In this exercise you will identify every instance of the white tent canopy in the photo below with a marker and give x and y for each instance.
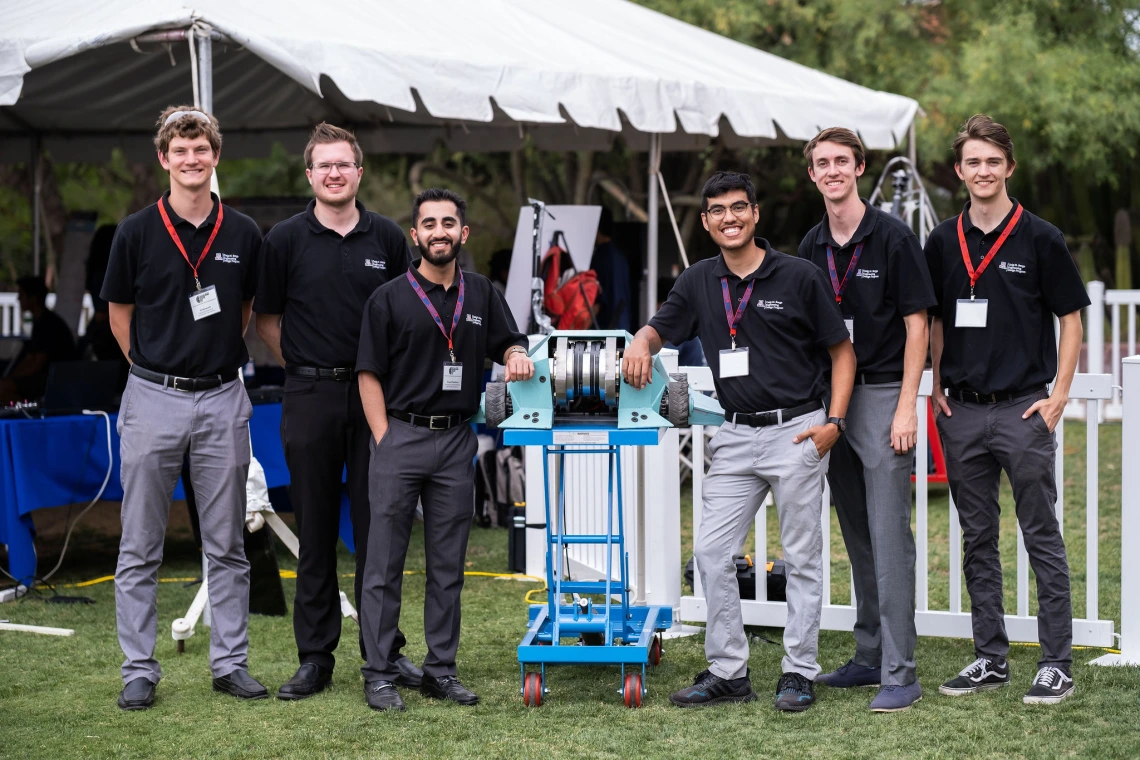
(478, 75)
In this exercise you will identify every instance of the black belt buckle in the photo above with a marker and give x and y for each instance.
(342, 374)
(444, 424)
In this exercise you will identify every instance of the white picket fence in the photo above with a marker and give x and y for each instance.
(653, 534)
(1116, 301)
(12, 321)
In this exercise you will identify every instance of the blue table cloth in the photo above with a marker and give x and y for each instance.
(63, 460)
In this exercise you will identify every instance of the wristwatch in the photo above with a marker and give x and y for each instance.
(515, 350)
(839, 422)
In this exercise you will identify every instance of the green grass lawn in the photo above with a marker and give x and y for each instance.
(57, 695)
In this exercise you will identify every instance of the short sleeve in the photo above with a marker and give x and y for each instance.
(372, 353)
(824, 312)
(676, 320)
(911, 288)
(933, 255)
(1059, 279)
(122, 266)
(396, 245)
(502, 331)
(273, 273)
(249, 286)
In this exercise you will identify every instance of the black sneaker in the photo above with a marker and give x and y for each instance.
(709, 689)
(980, 675)
(1049, 687)
(794, 693)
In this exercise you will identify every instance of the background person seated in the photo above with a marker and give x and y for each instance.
(51, 341)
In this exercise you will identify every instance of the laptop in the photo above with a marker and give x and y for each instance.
(77, 385)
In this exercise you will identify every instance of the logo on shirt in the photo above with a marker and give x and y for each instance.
(867, 274)
(375, 263)
(477, 321)
(774, 305)
(227, 258)
(1006, 266)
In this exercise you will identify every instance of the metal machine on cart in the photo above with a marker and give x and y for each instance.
(578, 404)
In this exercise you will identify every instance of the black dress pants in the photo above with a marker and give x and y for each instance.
(323, 430)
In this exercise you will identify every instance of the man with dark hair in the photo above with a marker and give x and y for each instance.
(51, 341)
(418, 388)
(180, 284)
(767, 322)
(995, 411)
(612, 267)
(318, 269)
(881, 284)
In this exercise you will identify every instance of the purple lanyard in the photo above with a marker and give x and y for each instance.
(734, 320)
(435, 314)
(836, 285)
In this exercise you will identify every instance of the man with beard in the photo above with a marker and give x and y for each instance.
(317, 270)
(423, 342)
(766, 321)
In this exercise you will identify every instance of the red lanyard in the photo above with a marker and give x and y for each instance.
(178, 241)
(734, 320)
(836, 285)
(435, 314)
(976, 273)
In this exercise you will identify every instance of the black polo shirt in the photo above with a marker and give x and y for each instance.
(402, 345)
(1030, 279)
(790, 321)
(147, 270)
(890, 282)
(319, 281)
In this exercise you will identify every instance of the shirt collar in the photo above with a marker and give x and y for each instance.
(767, 266)
(176, 220)
(363, 224)
(967, 225)
(424, 282)
(866, 225)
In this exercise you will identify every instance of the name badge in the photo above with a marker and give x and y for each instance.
(452, 376)
(734, 362)
(204, 302)
(850, 328)
(971, 313)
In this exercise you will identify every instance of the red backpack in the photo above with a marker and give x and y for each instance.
(568, 295)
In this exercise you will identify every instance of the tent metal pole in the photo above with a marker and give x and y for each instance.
(37, 202)
(651, 252)
(205, 71)
(912, 145)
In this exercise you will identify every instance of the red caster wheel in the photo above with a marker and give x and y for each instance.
(656, 651)
(631, 690)
(532, 690)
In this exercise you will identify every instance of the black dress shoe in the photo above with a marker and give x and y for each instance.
(448, 687)
(137, 695)
(242, 685)
(382, 696)
(309, 679)
(410, 675)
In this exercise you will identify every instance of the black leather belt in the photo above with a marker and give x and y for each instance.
(342, 374)
(430, 421)
(186, 384)
(973, 397)
(777, 417)
(875, 378)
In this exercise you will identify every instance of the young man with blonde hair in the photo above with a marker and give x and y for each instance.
(881, 285)
(318, 269)
(180, 284)
(1001, 274)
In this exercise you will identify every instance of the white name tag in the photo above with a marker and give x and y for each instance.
(850, 328)
(971, 313)
(452, 376)
(204, 302)
(734, 362)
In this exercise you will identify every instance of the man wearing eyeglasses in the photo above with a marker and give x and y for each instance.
(767, 322)
(317, 271)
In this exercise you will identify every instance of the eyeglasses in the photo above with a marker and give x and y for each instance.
(737, 209)
(344, 167)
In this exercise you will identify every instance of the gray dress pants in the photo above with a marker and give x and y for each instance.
(157, 427)
(872, 490)
(747, 462)
(437, 467)
(981, 440)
